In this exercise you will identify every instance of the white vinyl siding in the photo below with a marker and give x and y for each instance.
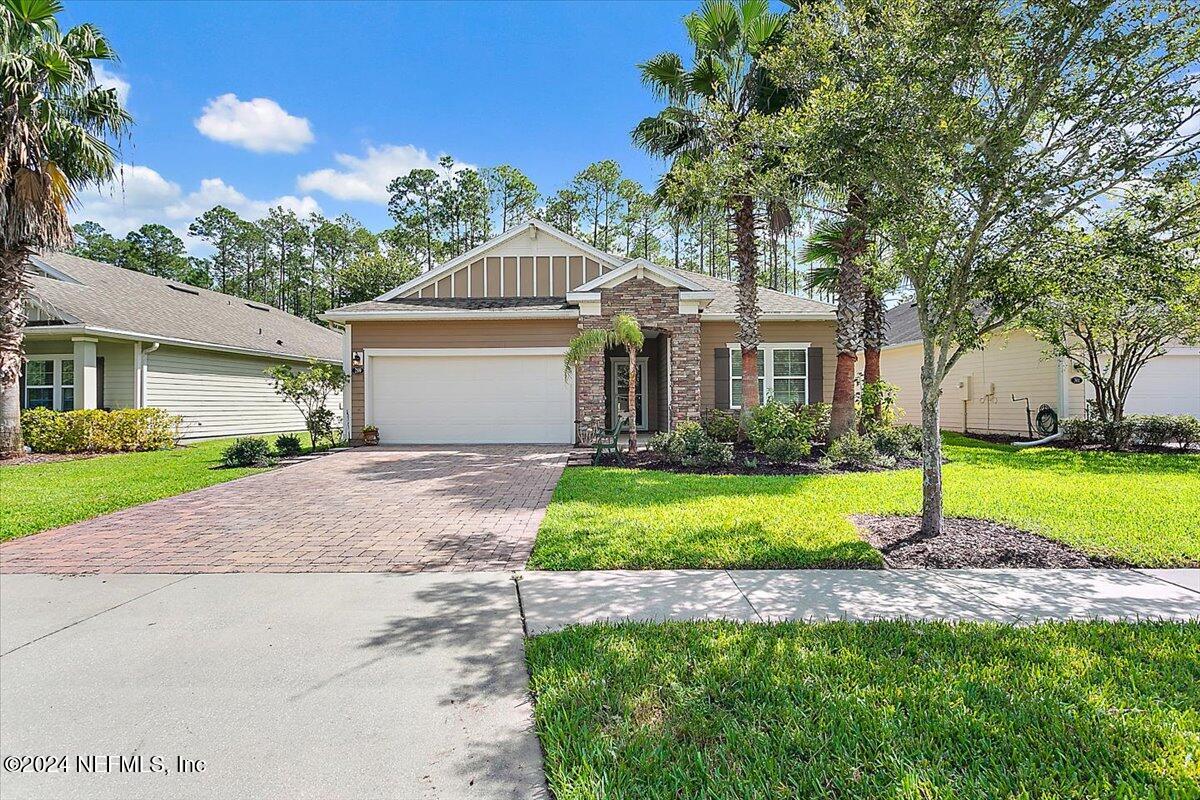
(220, 394)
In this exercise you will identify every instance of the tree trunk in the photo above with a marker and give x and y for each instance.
(931, 445)
(848, 337)
(633, 443)
(12, 332)
(746, 252)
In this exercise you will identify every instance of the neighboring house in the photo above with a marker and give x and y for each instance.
(99, 336)
(472, 351)
(977, 394)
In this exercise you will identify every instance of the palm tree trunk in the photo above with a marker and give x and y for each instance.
(873, 335)
(849, 317)
(632, 400)
(12, 327)
(746, 252)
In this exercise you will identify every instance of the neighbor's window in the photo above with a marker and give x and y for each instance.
(50, 383)
(39, 384)
(782, 374)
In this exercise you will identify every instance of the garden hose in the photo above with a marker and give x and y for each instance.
(1046, 420)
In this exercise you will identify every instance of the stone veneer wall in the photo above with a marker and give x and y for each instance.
(654, 306)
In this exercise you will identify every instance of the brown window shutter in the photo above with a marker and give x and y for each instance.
(721, 377)
(816, 376)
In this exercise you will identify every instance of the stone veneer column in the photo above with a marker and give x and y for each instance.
(589, 380)
(685, 369)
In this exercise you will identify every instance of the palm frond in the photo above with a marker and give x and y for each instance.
(582, 347)
(665, 76)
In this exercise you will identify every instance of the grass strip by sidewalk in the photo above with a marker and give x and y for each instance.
(1139, 508)
(869, 710)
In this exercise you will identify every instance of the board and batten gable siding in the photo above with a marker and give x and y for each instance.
(1014, 362)
(714, 335)
(220, 394)
(391, 334)
(523, 266)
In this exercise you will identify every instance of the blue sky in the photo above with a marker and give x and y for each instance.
(315, 104)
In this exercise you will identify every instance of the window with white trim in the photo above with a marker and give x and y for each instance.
(782, 373)
(50, 383)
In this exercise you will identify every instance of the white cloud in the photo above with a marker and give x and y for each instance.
(110, 80)
(140, 195)
(367, 177)
(260, 125)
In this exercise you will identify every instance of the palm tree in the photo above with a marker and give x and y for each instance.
(55, 123)
(624, 332)
(707, 108)
(860, 316)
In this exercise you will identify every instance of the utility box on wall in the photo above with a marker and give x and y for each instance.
(964, 388)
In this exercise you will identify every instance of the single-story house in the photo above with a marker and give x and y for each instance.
(472, 350)
(977, 394)
(100, 336)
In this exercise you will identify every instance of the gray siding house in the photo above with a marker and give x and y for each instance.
(99, 336)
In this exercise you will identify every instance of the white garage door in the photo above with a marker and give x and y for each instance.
(1169, 384)
(425, 397)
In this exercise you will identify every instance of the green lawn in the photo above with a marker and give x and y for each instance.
(38, 497)
(869, 710)
(1139, 508)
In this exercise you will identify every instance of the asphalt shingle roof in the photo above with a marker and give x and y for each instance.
(123, 300)
(725, 302)
(902, 324)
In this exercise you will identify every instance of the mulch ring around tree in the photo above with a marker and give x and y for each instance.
(969, 543)
(649, 459)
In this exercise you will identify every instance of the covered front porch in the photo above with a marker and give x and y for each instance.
(653, 394)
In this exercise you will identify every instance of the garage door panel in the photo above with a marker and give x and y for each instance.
(471, 399)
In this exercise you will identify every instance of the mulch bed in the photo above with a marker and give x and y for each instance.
(44, 458)
(970, 543)
(648, 459)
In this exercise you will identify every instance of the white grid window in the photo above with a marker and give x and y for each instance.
(50, 383)
(782, 373)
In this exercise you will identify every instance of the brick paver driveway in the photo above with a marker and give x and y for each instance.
(454, 507)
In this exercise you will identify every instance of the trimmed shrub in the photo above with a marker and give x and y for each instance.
(1078, 431)
(780, 433)
(288, 444)
(720, 425)
(689, 446)
(776, 421)
(856, 450)
(249, 451)
(95, 431)
(898, 441)
(816, 416)
(1187, 430)
(1156, 430)
(787, 451)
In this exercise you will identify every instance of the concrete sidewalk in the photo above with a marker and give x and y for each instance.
(552, 600)
(313, 686)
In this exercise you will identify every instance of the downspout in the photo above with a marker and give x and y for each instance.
(140, 400)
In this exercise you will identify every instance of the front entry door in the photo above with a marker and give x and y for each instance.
(620, 389)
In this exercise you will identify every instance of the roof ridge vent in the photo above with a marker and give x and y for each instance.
(184, 289)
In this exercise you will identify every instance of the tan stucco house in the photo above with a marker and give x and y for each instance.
(472, 350)
(977, 394)
(99, 336)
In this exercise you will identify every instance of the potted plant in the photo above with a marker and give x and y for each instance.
(370, 434)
